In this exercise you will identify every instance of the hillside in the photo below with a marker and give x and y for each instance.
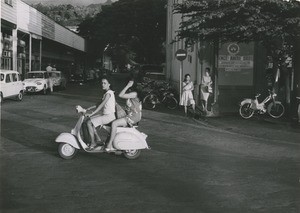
(72, 2)
(69, 14)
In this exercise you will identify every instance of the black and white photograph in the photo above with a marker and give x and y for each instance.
(150, 106)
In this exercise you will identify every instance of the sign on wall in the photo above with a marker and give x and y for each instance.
(235, 64)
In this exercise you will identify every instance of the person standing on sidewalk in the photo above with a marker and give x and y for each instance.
(187, 98)
(206, 88)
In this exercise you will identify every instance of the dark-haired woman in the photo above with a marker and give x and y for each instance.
(206, 88)
(133, 110)
(187, 98)
(104, 112)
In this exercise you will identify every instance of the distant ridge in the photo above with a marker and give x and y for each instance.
(72, 2)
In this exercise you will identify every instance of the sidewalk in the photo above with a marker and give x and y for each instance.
(259, 126)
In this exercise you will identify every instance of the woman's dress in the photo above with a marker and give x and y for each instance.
(187, 97)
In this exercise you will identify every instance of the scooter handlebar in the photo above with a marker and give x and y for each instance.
(79, 109)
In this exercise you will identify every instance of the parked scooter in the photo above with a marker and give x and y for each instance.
(128, 141)
(250, 106)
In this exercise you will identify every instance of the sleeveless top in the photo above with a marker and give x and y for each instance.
(133, 110)
(110, 105)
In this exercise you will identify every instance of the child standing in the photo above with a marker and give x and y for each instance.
(187, 98)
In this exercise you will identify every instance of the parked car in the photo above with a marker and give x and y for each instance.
(10, 85)
(58, 79)
(151, 71)
(37, 81)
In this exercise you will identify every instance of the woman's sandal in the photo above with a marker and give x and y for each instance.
(110, 150)
(91, 147)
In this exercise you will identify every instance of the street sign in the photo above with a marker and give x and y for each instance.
(181, 54)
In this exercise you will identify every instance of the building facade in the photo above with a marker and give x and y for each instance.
(238, 70)
(32, 41)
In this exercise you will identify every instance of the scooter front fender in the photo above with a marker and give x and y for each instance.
(67, 138)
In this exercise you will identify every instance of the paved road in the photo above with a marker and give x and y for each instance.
(192, 167)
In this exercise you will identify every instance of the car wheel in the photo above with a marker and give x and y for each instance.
(45, 90)
(63, 86)
(19, 97)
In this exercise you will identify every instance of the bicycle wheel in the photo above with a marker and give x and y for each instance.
(150, 101)
(276, 110)
(246, 111)
(171, 102)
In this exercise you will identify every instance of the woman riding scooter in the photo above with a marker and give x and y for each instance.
(133, 111)
(106, 115)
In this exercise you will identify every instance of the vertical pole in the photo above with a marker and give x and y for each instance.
(30, 51)
(180, 77)
(40, 67)
(14, 50)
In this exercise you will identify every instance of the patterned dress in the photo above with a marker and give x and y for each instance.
(187, 97)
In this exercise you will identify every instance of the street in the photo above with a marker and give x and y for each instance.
(191, 167)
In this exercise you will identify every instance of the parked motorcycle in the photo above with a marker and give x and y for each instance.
(160, 95)
(128, 141)
(250, 106)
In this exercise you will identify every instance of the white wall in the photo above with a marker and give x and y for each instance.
(8, 12)
(32, 21)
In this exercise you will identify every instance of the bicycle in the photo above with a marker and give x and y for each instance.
(161, 95)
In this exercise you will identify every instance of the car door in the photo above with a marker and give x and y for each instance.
(14, 80)
(3, 86)
(18, 85)
(7, 85)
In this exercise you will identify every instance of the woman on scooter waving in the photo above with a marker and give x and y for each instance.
(104, 112)
(133, 111)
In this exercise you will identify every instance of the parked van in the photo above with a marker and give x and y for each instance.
(10, 85)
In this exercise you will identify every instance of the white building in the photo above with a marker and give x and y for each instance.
(31, 40)
(234, 73)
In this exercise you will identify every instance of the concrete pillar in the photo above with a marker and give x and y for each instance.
(15, 49)
(30, 51)
(40, 68)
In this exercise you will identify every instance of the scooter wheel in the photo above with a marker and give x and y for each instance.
(132, 154)
(66, 151)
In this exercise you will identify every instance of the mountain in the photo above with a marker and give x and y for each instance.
(70, 14)
(72, 2)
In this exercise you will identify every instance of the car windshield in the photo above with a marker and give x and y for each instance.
(54, 74)
(2, 77)
(35, 75)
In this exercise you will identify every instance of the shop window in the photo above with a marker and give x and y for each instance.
(9, 2)
(6, 63)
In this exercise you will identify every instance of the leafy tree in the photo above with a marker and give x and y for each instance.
(273, 23)
(68, 15)
(136, 26)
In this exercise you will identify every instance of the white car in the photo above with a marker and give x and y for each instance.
(37, 81)
(10, 85)
(58, 79)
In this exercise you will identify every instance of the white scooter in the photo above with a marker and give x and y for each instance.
(128, 141)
